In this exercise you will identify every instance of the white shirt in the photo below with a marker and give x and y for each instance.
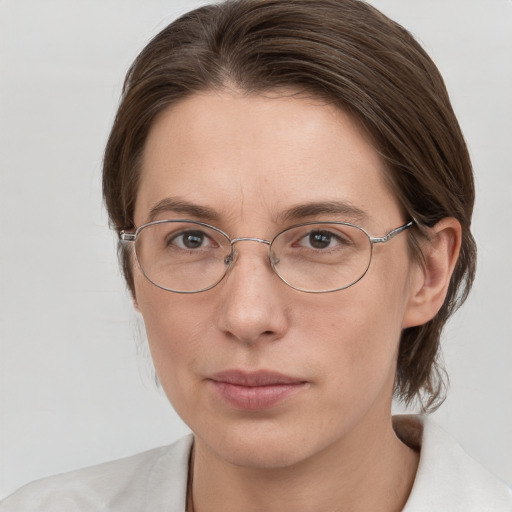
(156, 481)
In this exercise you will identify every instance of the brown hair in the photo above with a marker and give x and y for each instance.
(346, 52)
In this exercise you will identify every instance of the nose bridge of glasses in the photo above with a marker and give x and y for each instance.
(230, 258)
(249, 239)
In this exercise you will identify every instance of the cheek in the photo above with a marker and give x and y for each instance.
(358, 334)
(175, 327)
(357, 337)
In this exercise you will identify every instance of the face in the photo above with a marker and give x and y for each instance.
(265, 375)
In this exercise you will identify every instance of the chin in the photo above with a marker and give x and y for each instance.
(260, 445)
(262, 454)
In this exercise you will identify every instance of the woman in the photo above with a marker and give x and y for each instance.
(293, 198)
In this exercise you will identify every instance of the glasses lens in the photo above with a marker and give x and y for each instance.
(182, 256)
(321, 257)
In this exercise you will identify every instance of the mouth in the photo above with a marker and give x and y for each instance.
(253, 391)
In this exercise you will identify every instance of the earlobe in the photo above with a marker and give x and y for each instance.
(430, 284)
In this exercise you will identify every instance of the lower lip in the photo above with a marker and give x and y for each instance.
(255, 398)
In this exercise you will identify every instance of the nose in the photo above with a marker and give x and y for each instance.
(252, 308)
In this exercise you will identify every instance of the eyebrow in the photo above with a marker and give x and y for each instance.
(345, 210)
(176, 205)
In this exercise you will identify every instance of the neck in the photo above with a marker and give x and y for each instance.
(373, 470)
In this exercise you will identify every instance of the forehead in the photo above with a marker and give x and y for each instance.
(246, 156)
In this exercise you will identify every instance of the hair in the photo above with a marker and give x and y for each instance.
(347, 53)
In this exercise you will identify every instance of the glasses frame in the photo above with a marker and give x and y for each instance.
(127, 236)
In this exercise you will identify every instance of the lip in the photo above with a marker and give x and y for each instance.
(253, 391)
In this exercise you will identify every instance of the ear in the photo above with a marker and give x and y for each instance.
(431, 279)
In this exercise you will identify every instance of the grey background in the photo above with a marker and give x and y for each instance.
(75, 378)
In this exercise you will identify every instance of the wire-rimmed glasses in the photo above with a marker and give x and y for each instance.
(186, 256)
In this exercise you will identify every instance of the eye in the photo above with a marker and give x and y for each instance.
(192, 239)
(322, 239)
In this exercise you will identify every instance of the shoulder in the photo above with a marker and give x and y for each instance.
(447, 477)
(154, 480)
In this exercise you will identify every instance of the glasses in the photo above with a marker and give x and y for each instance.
(186, 256)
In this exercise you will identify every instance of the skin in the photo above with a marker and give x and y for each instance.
(331, 445)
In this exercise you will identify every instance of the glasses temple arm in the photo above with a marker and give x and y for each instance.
(391, 234)
(127, 237)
